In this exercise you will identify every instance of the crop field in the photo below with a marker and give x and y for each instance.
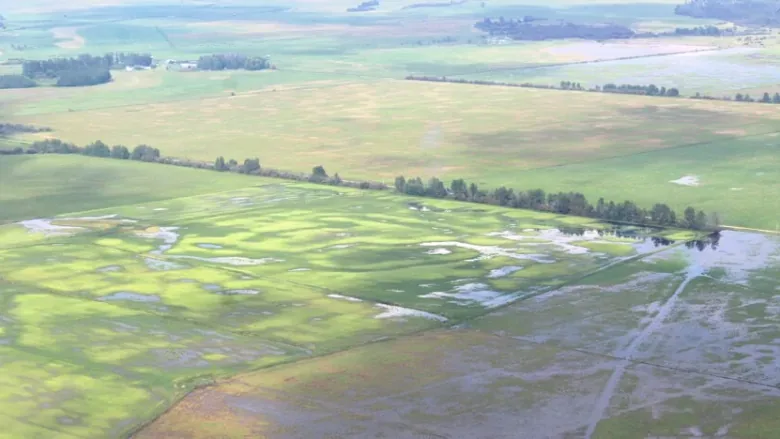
(679, 343)
(712, 72)
(42, 186)
(491, 135)
(149, 300)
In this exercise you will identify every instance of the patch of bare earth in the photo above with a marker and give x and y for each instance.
(68, 38)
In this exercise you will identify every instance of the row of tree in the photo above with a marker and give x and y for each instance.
(701, 31)
(766, 98)
(520, 29)
(648, 90)
(83, 77)
(566, 203)
(16, 81)
(54, 67)
(143, 153)
(233, 62)
(9, 129)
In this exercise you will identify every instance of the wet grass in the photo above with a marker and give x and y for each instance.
(703, 368)
(160, 296)
(41, 186)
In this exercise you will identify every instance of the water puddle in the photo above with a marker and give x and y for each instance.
(239, 293)
(232, 260)
(161, 265)
(133, 297)
(393, 312)
(474, 294)
(439, 251)
(347, 298)
(167, 234)
(46, 227)
(341, 246)
(688, 180)
(209, 246)
(211, 287)
(299, 270)
(109, 269)
(503, 271)
(487, 252)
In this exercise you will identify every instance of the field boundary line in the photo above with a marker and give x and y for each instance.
(205, 97)
(750, 229)
(595, 61)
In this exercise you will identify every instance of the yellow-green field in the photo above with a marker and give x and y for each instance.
(153, 301)
(150, 300)
(676, 344)
(613, 146)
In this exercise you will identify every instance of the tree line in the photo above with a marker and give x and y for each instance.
(16, 81)
(766, 98)
(520, 29)
(701, 31)
(54, 67)
(9, 129)
(566, 203)
(647, 90)
(233, 62)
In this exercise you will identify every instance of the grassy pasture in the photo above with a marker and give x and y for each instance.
(523, 365)
(492, 135)
(32, 187)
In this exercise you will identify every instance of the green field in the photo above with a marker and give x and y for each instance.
(33, 187)
(676, 344)
(153, 301)
(169, 294)
(491, 135)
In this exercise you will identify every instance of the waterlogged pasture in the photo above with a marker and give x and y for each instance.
(159, 297)
(677, 343)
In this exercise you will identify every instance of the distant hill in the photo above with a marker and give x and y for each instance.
(748, 12)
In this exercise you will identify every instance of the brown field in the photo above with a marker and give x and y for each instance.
(381, 129)
(68, 38)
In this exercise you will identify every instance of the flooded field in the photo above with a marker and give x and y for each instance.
(678, 343)
(164, 297)
(715, 72)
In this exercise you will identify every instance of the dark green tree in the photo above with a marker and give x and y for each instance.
(145, 153)
(459, 189)
(318, 173)
(701, 221)
(473, 191)
(689, 217)
(250, 166)
(120, 152)
(436, 188)
(219, 164)
(97, 149)
(400, 184)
